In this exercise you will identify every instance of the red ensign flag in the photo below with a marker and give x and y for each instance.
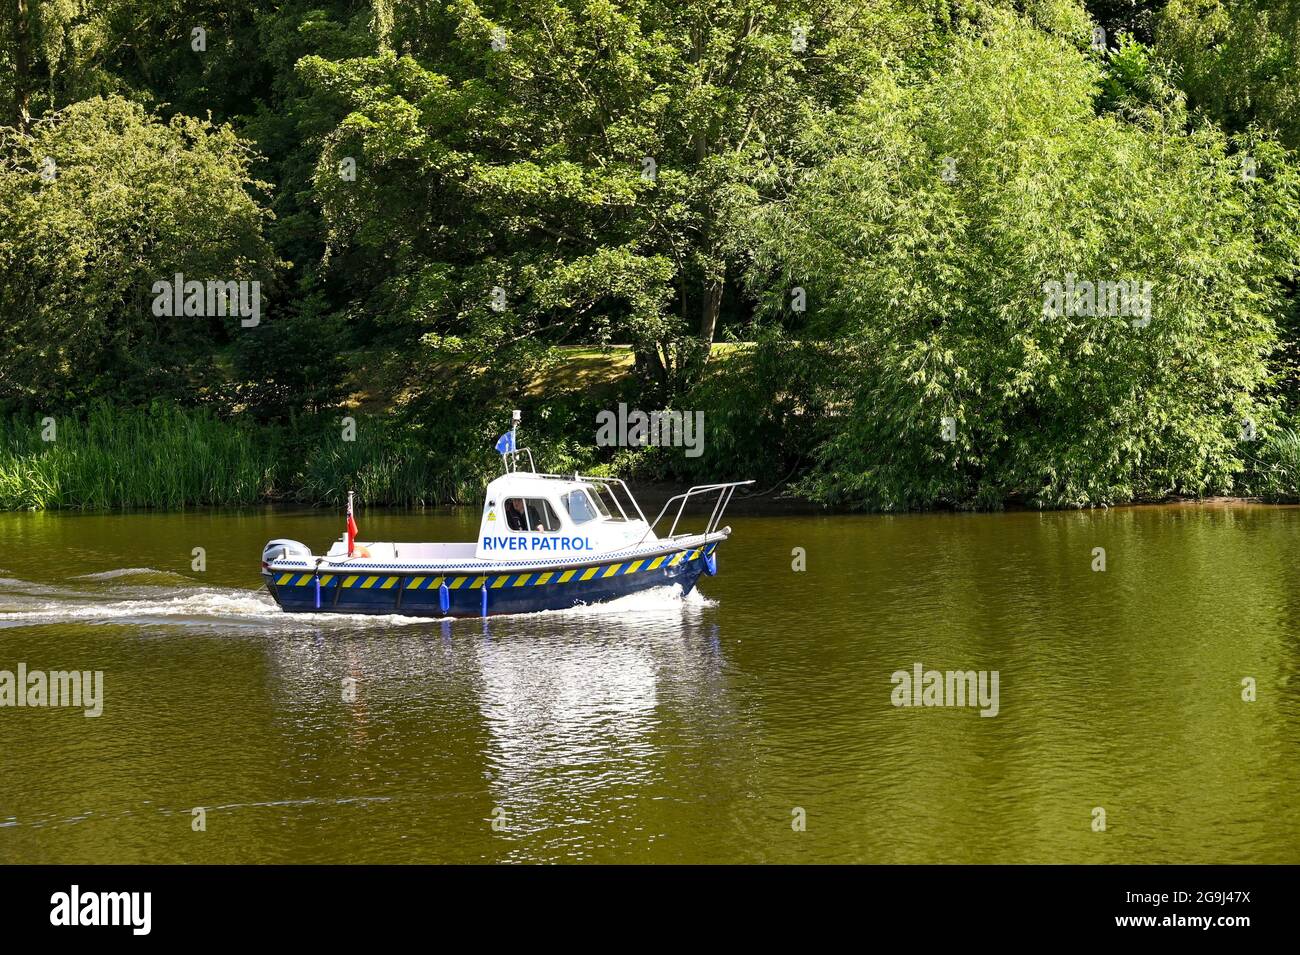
(352, 526)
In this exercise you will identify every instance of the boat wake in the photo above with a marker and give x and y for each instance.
(169, 599)
(656, 600)
(159, 575)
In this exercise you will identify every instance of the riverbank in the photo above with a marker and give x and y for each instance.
(168, 458)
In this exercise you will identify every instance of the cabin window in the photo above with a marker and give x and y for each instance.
(580, 507)
(531, 514)
(605, 501)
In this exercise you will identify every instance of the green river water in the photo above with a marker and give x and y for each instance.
(752, 722)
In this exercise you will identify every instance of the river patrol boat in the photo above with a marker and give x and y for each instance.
(546, 542)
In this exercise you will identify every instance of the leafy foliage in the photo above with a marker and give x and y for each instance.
(938, 287)
(1239, 60)
(592, 161)
(97, 203)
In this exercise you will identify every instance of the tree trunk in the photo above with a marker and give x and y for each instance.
(22, 66)
(709, 312)
(650, 365)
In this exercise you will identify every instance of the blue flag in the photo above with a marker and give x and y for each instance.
(506, 443)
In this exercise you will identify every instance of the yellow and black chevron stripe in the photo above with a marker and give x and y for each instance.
(491, 581)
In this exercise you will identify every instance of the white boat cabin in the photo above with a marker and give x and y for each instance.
(530, 516)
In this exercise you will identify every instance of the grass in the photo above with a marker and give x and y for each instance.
(167, 457)
(155, 457)
(1277, 472)
(385, 465)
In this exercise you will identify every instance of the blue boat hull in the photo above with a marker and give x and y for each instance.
(471, 595)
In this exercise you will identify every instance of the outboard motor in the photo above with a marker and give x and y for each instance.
(283, 548)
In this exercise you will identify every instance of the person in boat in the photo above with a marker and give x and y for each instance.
(516, 519)
(520, 513)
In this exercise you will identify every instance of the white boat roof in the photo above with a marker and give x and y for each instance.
(522, 483)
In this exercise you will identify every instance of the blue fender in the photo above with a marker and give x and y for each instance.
(444, 597)
(485, 600)
(317, 591)
(711, 564)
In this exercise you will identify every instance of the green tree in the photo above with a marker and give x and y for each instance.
(98, 203)
(594, 161)
(927, 237)
(1238, 60)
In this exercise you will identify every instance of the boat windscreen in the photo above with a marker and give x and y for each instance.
(581, 508)
(604, 498)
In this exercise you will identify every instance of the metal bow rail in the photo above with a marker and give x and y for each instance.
(725, 493)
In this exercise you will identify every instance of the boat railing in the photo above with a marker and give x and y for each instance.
(613, 484)
(510, 459)
(724, 491)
